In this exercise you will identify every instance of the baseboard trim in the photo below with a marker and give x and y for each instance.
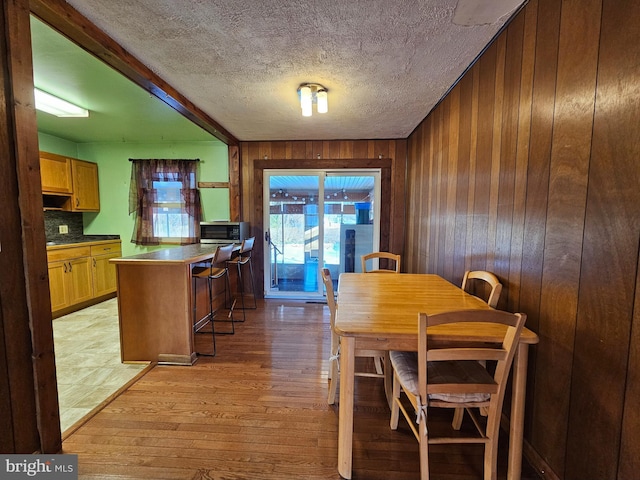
(537, 462)
(530, 454)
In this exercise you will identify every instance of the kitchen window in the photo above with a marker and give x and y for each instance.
(165, 200)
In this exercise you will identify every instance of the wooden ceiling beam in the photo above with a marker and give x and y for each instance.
(72, 24)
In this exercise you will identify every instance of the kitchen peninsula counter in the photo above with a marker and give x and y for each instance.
(155, 304)
(186, 254)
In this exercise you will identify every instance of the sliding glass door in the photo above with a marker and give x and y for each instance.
(317, 219)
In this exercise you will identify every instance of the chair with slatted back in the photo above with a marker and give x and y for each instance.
(392, 258)
(473, 282)
(377, 355)
(453, 377)
(486, 277)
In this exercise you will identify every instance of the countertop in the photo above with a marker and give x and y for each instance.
(73, 241)
(185, 254)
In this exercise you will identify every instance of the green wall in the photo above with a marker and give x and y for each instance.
(114, 172)
(49, 143)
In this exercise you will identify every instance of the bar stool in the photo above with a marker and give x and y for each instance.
(244, 258)
(199, 273)
(222, 257)
(209, 273)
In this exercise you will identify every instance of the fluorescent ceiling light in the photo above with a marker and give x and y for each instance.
(56, 106)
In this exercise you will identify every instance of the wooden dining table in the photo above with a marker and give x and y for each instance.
(379, 311)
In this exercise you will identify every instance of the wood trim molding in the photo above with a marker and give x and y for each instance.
(322, 163)
(213, 184)
(235, 181)
(538, 463)
(69, 22)
(24, 286)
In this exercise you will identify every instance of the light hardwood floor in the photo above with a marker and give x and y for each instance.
(256, 411)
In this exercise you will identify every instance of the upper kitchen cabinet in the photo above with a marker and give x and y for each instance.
(55, 172)
(69, 184)
(86, 195)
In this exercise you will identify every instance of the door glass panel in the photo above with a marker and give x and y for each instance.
(317, 218)
(294, 233)
(348, 221)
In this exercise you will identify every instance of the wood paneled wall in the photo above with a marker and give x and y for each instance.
(530, 168)
(389, 155)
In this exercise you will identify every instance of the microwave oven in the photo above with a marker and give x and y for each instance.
(223, 232)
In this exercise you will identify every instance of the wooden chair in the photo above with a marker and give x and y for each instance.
(377, 355)
(468, 283)
(390, 257)
(487, 277)
(453, 377)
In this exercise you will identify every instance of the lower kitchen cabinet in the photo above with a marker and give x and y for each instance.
(59, 285)
(81, 275)
(104, 273)
(70, 282)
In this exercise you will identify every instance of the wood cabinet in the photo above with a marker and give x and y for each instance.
(80, 287)
(69, 184)
(81, 274)
(155, 303)
(57, 288)
(86, 194)
(104, 273)
(69, 276)
(55, 173)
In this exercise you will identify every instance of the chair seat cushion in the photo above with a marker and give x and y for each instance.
(405, 365)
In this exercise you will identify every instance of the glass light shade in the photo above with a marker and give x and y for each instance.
(306, 101)
(322, 100)
(56, 106)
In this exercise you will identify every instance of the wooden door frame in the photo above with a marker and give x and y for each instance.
(28, 388)
(260, 165)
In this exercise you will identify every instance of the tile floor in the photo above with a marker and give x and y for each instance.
(87, 350)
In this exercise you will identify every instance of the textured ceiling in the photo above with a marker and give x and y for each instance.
(386, 63)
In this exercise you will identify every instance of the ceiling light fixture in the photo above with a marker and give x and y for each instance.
(46, 102)
(311, 93)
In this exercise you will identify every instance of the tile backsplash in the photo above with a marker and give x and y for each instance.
(52, 221)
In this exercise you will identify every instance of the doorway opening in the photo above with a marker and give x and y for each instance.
(314, 219)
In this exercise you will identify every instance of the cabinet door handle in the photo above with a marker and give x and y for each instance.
(65, 267)
(70, 268)
(77, 202)
(94, 262)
